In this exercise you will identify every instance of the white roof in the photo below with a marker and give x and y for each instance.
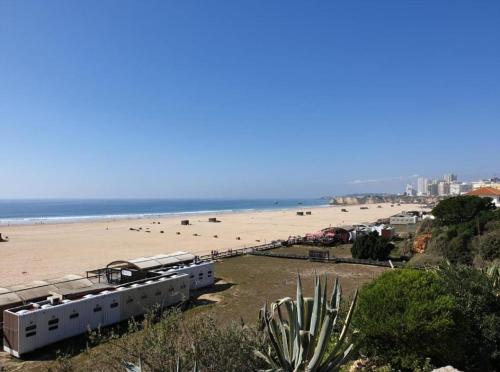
(156, 261)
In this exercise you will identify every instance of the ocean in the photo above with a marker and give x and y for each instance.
(70, 210)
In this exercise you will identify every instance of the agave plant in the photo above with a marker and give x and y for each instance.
(493, 273)
(300, 339)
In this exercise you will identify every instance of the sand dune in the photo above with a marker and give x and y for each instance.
(51, 250)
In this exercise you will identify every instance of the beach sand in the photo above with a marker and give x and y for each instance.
(37, 252)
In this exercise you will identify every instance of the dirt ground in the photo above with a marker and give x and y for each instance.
(249, 281)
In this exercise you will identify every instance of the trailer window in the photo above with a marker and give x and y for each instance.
(129, 300)
(158, 293)
(51, 328)
(74, 315)
(53, 321)
(191, 276)
(97, 308)
(144, 295)
(30, 334)
(113, 305)
(30, 328)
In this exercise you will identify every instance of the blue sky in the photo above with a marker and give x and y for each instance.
(245, 98)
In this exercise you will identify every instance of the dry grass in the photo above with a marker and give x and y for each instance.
(343, 250)
(247, 282)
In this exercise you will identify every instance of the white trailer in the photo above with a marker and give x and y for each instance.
(201, 274)
(30, 327)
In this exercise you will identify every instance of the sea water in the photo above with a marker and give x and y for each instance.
(69, 210)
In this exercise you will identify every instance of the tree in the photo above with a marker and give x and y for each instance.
(457, 250)
(460, 209)
(371, 246)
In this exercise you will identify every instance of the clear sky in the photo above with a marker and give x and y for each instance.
(245, 98)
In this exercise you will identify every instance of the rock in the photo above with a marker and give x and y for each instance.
(446, 369)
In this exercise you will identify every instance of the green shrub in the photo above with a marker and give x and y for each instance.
(489, 245)
(458, 250)
(438, 242)
(454, 243)
(450, 315)
(425, 260)
(492, 225)
(406, 316)
(460, 209)
(227, 348)
(160, 343)
(478, 317)
(426, 226)
(371, 246)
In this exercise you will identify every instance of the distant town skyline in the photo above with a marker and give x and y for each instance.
(448, 184)
(245, 99)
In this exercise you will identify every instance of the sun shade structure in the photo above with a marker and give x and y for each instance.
(40, 289)
(147, 263)
(43, 288)
(28, 291)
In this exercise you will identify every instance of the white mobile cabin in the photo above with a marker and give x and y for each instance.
(29, 327)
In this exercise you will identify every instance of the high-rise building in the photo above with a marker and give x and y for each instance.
(422, 186)
(432, 189)
(457, 188)
(443, 188)
(450, 177)
(410, 191)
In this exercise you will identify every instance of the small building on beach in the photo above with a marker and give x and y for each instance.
(403, 219)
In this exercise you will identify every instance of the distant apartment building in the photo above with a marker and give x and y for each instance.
(457, 188)
(410, 191)
(422, 186)
(443, 188)
(432, 189)
(492, 182)
(448, 185)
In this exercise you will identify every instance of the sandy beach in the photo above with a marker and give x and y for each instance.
(37, 252)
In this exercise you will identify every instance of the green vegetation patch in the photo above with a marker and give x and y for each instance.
(372, 246)
(461, 209)
(405, 316)
(450, 316)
